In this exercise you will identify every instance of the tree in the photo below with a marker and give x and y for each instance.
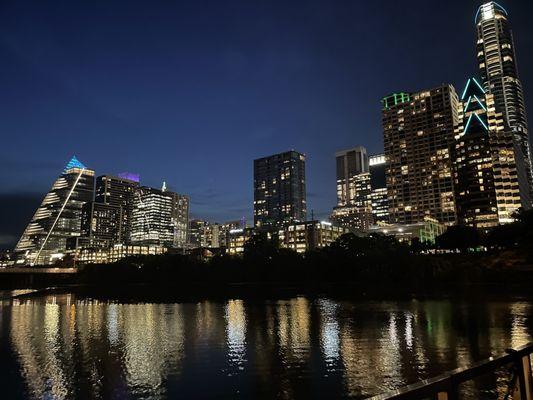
(260, 246)
(459, 237)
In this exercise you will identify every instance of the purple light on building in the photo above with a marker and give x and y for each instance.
(131, 176)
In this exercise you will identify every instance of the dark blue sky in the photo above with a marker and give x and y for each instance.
(192, 91)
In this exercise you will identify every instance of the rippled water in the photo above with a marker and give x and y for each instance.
(58, 347)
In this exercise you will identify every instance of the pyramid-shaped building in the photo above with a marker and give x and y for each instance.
(58, 218)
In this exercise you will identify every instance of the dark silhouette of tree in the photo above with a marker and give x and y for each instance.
(459, 237)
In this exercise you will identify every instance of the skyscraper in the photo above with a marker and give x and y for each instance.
(354, 204)
(279, 190)
(486, 179)
(118, 192)
(197, 233)
(58, 218)
(159, 217)
(418, 135)
(100, 224)
(350, 164)
(497, 65)
(378, 183)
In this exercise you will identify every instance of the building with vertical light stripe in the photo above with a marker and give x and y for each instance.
(58, 218)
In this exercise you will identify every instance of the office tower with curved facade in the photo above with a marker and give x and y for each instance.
(498, 68)
(58, 218)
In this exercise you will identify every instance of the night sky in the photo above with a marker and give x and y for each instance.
(190, 92)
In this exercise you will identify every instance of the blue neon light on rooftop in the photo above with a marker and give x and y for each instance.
(74, 163)
(494, 4)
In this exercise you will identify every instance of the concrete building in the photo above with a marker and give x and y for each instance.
(309, 235)
(427, 230)
(418, 133)
(114, 253)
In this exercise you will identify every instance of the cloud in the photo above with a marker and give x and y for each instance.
(16, 210)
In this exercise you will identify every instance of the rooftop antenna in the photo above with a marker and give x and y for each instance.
(164, 187)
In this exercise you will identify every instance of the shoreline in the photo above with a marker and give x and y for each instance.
(195, 292)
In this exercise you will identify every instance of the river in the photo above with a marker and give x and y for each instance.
(63, 347)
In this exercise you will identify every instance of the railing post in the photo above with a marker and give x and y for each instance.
(524, 389)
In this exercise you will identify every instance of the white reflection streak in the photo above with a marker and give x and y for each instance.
(112, 324)
(408, 331)
(236, 331)
(56, 380)
(329, 332)
(519, 331)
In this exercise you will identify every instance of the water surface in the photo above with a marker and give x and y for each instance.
(60, 347)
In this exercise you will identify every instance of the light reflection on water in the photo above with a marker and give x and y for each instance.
(58, 347)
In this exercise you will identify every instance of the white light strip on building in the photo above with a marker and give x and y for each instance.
(58, 215)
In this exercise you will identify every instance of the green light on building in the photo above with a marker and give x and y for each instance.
(395, 99)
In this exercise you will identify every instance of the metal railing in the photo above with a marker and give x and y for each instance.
(446, 386)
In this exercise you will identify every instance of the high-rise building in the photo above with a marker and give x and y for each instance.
(159, 217)
(212, 235)
(486, 178)
(197, 233)
(279, 190)
(118, 191)
(58, 218)
(351, 164)
(101, 223)
(497, 65)
(378, 183)
(418, 133)
(354, 205)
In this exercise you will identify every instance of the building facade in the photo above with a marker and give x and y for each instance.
(486, 178)
(426, 231)
(497, 65)
(354, 203)
(101, 221)
(105, 255)
(418, 133)
(309, 235)
(118, 192)
(378, 183)
(279, 190)
(58, 218)
(350, 164)
(160, 217)
(197, 233)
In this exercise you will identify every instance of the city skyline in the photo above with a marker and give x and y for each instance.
(321, 168)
